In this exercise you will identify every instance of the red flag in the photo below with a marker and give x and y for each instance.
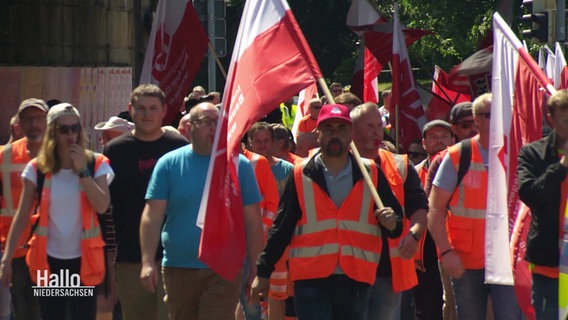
(560, 69)
(370, 77)
(379, 39)
(516, 119)
(271, 62)
(404, 93)
(176, 48)
(443, 87)
(439, 100)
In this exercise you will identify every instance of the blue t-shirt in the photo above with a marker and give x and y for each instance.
(281, 170)
(179, 178)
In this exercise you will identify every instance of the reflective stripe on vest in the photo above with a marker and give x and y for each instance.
(8, 167)
(395, 168)
(326, 236)
(92, 254)
(14, 158)
(466, 219)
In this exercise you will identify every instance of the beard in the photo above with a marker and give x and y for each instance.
(334, 148)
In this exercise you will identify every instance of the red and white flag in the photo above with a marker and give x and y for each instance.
(176, 48)
(360, 17)
(560, 77)
(304, 98)
(516, 118)
(404, 93)
(271, 62)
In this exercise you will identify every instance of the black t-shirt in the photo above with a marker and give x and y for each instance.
(133, 161)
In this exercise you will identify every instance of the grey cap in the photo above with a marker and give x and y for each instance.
(60, 110)
(433, 124)
(33, 102)
(461, 110)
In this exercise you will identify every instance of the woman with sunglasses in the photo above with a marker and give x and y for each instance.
(65, 256)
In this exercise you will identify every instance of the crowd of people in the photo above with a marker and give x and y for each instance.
(330, 233)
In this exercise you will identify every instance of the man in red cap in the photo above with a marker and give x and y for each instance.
(328, 218)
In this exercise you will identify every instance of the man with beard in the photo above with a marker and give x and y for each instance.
(32, 115)
(327, 217)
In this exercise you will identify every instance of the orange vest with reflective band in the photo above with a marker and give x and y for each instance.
(326, 236)
(395, 168)
(422, 171)
(466, 220)
(13, 160)
(92, 254)
(268, 189)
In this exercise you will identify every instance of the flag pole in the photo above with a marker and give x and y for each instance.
(356, 154)
(217, 60)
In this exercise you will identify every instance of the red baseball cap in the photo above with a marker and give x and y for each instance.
(334, 111)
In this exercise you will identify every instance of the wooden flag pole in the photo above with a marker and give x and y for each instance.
(217, 59)
(356, 154)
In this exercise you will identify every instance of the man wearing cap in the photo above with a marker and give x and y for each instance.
(459, 233)
(113, 128)
(133, 157)
(329, 220)
(461, 119)
(13, 158)
(436, 136)
(396, 272)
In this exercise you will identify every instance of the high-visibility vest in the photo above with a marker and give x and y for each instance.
(92, 253)
(268, 189)
(395, 168)
(327, 236)
(288, 115)
(13, 160)
(466, 220)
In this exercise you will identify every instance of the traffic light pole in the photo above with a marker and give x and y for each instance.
(561, 20)
(211, 67)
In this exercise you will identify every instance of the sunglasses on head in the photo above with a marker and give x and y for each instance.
(65, 129)
(465, 124)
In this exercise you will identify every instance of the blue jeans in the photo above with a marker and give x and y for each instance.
(383, 302)
(336, 297)
(471, 294)
(545, 296)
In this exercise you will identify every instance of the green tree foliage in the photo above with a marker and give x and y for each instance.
(459, 26)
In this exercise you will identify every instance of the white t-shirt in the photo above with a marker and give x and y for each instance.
(64, 226)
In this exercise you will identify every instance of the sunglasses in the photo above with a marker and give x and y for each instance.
(65, 129)
(466, 124)
(487, 115)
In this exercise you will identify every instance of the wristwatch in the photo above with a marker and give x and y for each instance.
(414, 235)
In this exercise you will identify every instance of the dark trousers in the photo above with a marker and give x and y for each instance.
(56, 307)
(25, 305)
(336, 297)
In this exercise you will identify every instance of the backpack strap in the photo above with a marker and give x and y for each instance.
(465, 160)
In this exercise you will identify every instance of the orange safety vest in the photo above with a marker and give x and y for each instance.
(395, 168)
(92, 254)
(327, 236)
(466, 220)
(268, 189)
(13, 160)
